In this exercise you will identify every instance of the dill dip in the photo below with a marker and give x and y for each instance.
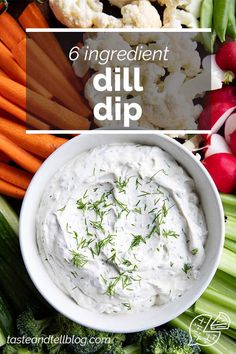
(120, 228)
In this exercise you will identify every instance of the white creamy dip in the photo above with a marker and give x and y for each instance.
(120, 228)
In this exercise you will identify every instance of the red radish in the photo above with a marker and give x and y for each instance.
(230, 132)
(214, 116)
(216, 144)
(222, 168)
(225, 94)
(226, 56)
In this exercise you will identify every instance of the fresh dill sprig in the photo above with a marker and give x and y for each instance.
(80, 204)
(102, 243)
(194, 251)
(121, 184)
(144, 193)
(186, 268)
(137, 239)
(169, 233)
(78, 259)
(97, 225)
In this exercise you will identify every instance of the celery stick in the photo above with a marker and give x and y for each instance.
(220, 299)
(203, 305)
(230, 332)
(224, 345)
(223, 283)
(229, 204)
(227, 262)
(230, 245)
(190, 311)
(230, 228)
(2, 338)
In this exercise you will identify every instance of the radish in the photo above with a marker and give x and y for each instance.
(215, 145)
(222, 168)
(218, 76)
(225, 94)
(226, 56)
(214, 116)
(230, 132)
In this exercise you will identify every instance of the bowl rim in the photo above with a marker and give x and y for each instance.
(50, 298)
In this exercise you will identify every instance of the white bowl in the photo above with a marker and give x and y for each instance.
(154, 316)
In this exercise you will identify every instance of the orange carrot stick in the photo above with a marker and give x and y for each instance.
(19, 53)
(32, 17)
(13, 91)
(18, 155)
(12, 109)
(2, 73)
(44, 70)
(10, 67)
(4, 157)
(10, 32)
(15, 176)
(10, 190)
(35, 86)
(35, 123)
(53, 113)
(42, 145)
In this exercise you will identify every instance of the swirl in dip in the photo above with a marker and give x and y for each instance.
(120, 228)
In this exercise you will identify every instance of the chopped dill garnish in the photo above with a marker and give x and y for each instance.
(137, 239)
(186, 268)
(97, 225)
(112, 258)
(194, 251)
(62, 209)
(169, 233)
(67, 228)
(137, 183)
(138, 210)
(127, 305)
(104, 280)
(80, 204)
(102, 243)
(121, 184)
(126, 262)
(144, 193)
(78, 259)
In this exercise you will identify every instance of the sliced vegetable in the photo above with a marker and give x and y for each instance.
(12, 109)
(20, 156)
(227, 260)
(11, 190)
(216, 144)
(10, 31)
(42, 145)
(225, 56)
(13, 91)
(6, 320)
(222, 168)
(10, 67)
(230, 132)
(220, 17)
(229, 204)
(225, 94)
(230, 245)
(15, 176)
(214, 116)
(9, 215)
(231, 26)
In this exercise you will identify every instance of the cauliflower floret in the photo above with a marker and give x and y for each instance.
(174, 17)
(141, 14)
(76, 13)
